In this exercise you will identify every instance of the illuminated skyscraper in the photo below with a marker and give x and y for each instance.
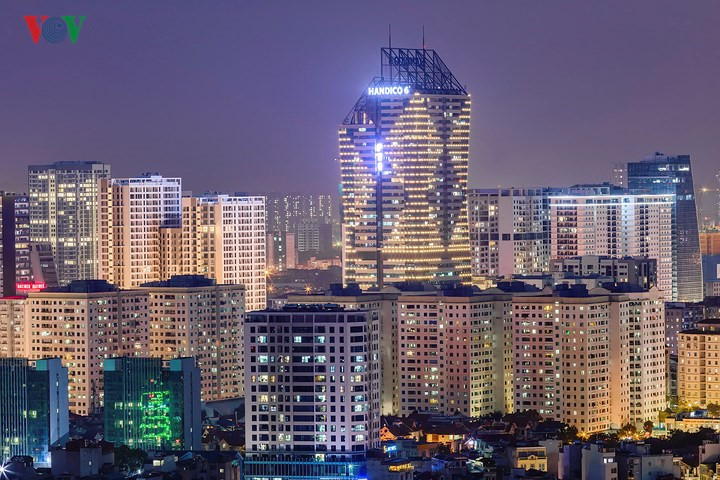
(404, 151)
(660, 173)
(63, 213)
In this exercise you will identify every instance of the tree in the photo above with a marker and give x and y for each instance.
(129, 459)
(713, 410)
(568, 434)
(648, 426)
(628, 430)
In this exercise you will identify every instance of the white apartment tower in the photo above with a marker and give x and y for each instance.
(63, 213)
(310, 371)
(223, 237)
(509, 231)
(132, 212)
(599, 221)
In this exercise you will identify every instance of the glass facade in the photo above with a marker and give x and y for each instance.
(660, 173)
(404, 151)
(33, 408)
(145, 404)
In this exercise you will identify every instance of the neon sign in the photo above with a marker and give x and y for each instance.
(30, 286)
(389, 90)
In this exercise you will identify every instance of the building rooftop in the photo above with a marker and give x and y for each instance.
(309, 308)
(74, 165)
(84, 286)
(515, 286)
(183, 281)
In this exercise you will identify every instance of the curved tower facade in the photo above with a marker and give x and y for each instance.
(404, 151)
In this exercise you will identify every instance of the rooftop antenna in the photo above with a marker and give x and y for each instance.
(423, 37)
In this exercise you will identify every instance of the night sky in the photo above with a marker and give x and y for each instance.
(248, 95)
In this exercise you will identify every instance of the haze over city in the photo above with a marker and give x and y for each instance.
(255, 91)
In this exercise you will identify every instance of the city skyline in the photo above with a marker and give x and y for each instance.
(235, 245)
(574, 87)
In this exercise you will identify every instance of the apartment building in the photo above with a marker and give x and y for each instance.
(593, 359)
(193, 316)
(309, 373)
(84, 323)
(131, 214)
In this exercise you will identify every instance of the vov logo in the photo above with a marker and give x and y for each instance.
(54, 29)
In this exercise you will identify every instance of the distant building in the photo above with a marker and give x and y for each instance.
(509, 231)
(619, 175)
(529, 457)
(710, 242)
(25, 266)
(598, 462)
(636, 271)
(453, 352)
(63, 200)
(666, 174)
(638, 461)
(84, 323)
(678, 317)
(281, 251)
(381, 468)
(312, 383)
(151, 407)
(285, 212)
(191, 315)
(711, 274)
(222, 237)
(698, 383)
(82, 458)
(33, 408)
(712, 307)
(604, 221)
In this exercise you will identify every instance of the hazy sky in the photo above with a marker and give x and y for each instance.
(248, 95)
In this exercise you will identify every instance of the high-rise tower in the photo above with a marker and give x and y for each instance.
(63, 213)
(660, 173)
(404, 152)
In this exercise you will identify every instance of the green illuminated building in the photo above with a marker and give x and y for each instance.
(151, 407)
(33, 408)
